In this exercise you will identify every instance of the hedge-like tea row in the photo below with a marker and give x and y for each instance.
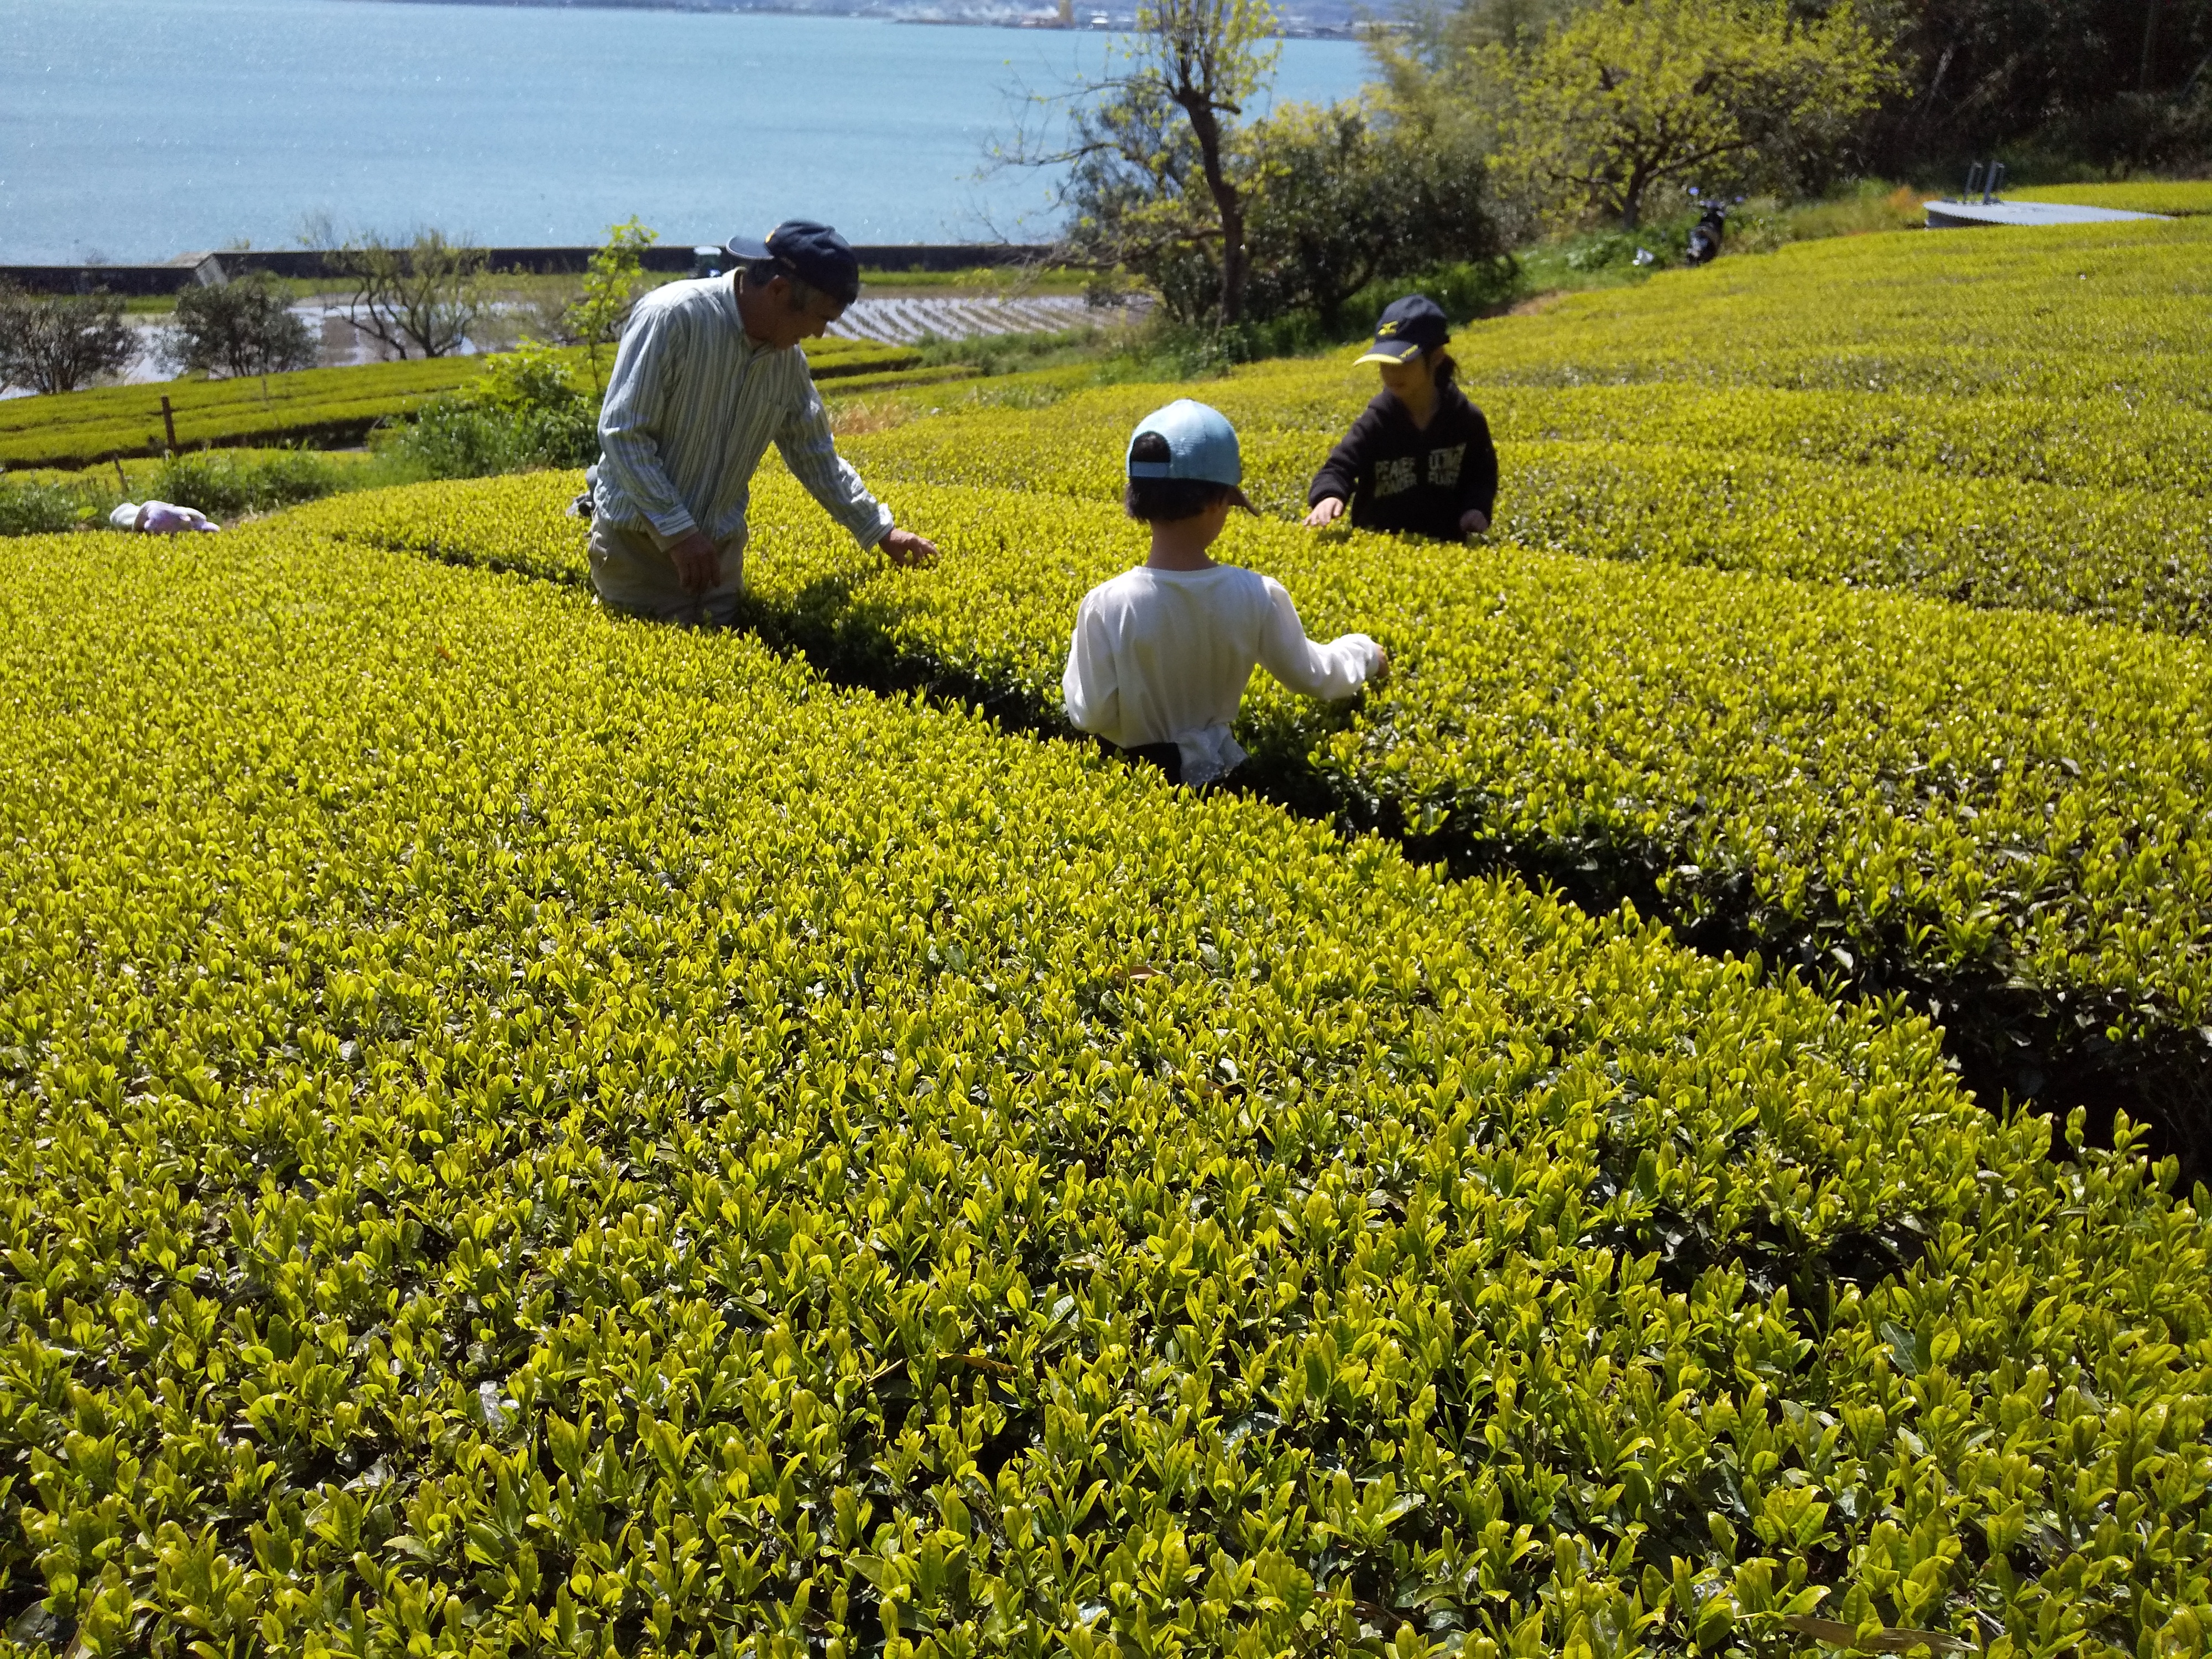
(527, 1132)
(1966, 802)
(82, 429)
(2140, 558)
(2092, 311)
(869, 380)
(2097, 445)
(2143, 558)
(2178, 197)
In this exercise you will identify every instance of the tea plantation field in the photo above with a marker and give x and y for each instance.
(534, 1133)
(1907, 687)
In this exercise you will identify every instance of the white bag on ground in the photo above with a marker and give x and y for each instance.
(160, 518)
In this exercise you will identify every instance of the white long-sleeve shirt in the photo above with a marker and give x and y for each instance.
(1163, 656)
(691, 406)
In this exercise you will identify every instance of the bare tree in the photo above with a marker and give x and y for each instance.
(1154, 182)
(58, 343)
(422, 298)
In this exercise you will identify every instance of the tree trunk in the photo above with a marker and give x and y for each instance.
(1228, 202)
(1235, 262)
(1645, 173)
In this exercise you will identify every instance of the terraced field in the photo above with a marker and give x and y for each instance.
(904, 319)
(533, 1132)
(2179, 198)
(316, 405)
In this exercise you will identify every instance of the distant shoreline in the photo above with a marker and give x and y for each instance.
(1120, 21)
(391, 117)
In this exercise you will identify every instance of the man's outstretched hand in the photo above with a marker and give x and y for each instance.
(698, 566)
(905, 548)
(1326, 511)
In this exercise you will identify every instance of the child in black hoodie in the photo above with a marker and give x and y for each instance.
(1419, 457)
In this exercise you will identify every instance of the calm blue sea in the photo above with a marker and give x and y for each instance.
(134, 129)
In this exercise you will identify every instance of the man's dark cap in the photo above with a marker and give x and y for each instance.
(1406, 328)
(814, 253)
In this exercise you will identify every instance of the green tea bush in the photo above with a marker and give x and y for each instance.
(2178, 197)
(1670, 480)
(2097, 446)
(525, 1131)
(1999, 810)
(317, 406)
(32, 507)
(224, 485)
(2141, 558)
(2077, 311)
(529, 1132)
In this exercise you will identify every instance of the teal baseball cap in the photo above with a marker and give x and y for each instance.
(1201, 447)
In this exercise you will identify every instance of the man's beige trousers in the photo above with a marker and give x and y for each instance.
(634, 576)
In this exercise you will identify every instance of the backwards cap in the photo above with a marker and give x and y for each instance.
(1201, 447)
(817, 255)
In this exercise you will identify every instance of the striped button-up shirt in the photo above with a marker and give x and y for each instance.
(692, 406)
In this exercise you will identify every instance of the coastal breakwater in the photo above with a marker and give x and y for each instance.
(173, 276)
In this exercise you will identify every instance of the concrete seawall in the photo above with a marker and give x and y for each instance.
(174, 275)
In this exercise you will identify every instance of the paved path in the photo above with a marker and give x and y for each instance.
(1954, 216)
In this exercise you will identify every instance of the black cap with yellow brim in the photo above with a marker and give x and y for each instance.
(1406, 328)
(1391, 351)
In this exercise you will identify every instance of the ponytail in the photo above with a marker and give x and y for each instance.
(1441, 369)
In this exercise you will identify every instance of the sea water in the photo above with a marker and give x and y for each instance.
(136, 129)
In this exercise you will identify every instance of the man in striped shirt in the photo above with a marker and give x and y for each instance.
(708, 375)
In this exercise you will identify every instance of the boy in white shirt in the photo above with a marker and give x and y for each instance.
(1162, 653)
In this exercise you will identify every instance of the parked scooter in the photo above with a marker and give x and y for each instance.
(1705, 239)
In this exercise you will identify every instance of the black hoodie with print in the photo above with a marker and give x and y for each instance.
(1396, 476)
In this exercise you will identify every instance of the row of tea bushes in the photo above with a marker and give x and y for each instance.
(2141, 557)
(529, 1132)
(2094, 312)
(2085, 443)
(2004, 809)
(2088, 443)
(82, 429)
(2177, 196)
